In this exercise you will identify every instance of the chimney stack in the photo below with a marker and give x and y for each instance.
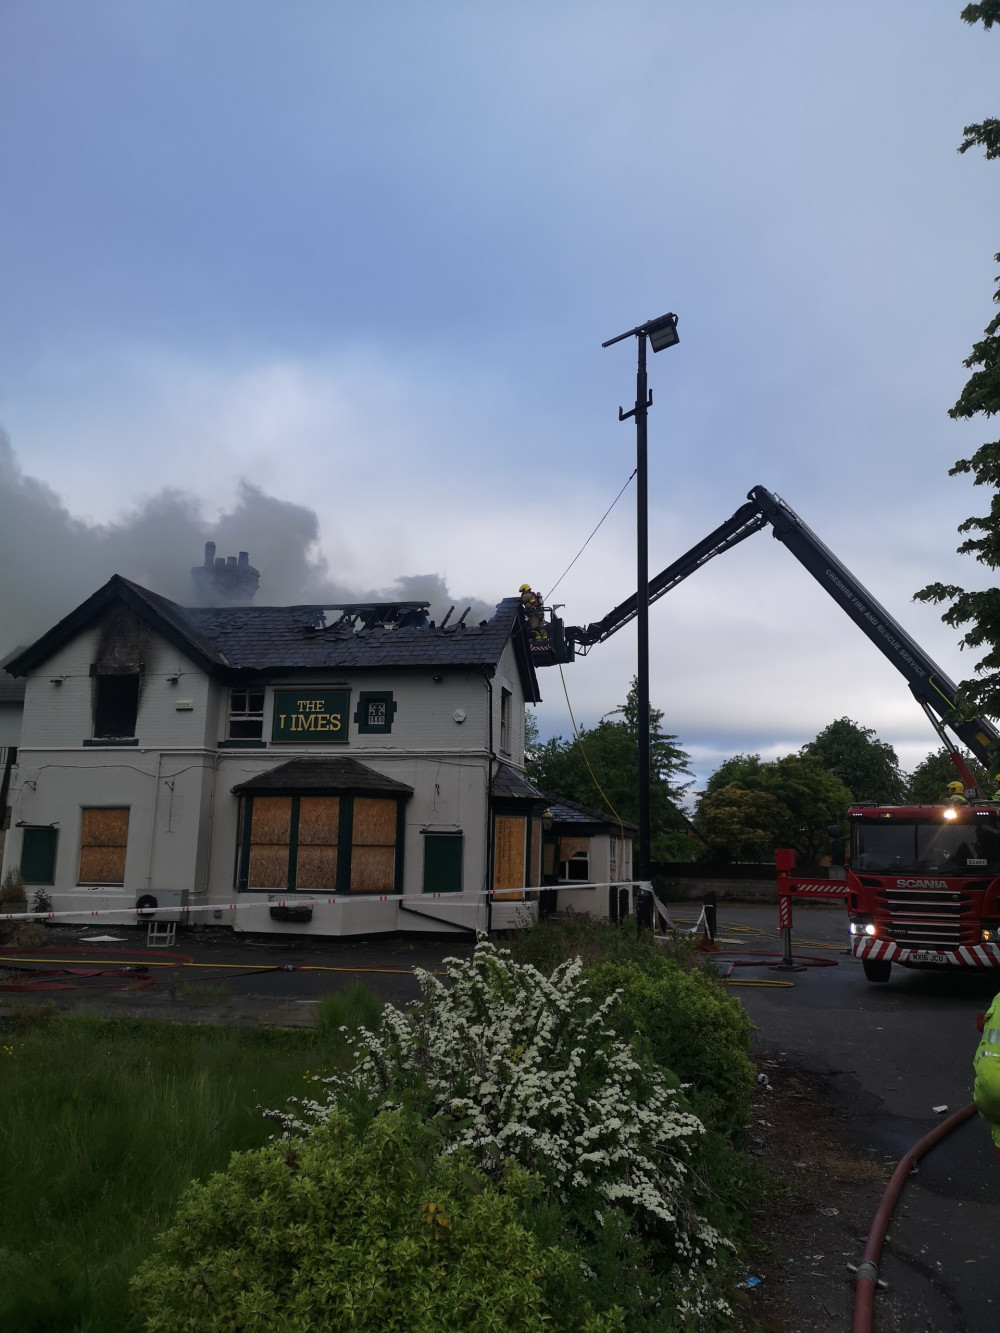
(224, 580)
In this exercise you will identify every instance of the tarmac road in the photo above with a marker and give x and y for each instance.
(887, 1055)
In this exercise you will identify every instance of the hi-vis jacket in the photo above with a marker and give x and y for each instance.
(986, 1091)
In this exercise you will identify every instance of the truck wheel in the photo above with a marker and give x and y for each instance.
(877, 970)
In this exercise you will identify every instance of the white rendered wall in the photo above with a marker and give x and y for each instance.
(177, 782)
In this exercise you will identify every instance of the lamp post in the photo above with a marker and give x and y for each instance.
(661, 332)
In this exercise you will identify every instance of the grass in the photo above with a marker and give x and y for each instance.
(103, 1123)
(551, 942)
(353, 1007)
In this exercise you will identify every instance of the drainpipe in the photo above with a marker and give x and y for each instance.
(489, 807)
(152, 825)
(4, 788)
(456, 926)
(211, 828)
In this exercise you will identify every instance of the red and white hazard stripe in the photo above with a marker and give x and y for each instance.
(976, 955)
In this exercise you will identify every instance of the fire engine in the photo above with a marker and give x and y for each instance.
(922, 882)
(923, 886)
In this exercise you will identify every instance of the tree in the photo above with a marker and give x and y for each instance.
(809, 800)
(864, 764)
(740, 825)
(980, 611)
(611, 749)
(928, 783)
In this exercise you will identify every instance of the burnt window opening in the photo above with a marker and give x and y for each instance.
(116, 706)
(505, 707)
(246, 715)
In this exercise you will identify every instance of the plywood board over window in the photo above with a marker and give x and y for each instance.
(535, 855)
(319, 822)
(508, 855)
(103, 843)
(270, 831)
(373, 845)
(573, 847)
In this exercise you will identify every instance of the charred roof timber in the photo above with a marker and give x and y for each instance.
(356, 617)
(225, 580)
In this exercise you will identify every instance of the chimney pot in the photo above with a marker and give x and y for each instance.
(230, 562)
(209, 554)
(244, 558)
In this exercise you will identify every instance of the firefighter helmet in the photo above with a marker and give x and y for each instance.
(525, 587)
(956, 787)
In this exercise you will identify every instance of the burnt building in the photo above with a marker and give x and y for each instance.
(360, 757)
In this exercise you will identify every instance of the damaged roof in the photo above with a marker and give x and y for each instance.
(266, 640)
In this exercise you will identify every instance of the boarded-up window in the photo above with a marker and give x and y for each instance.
(103, 841)
(270, 833)
(319, 844)
(373, 845)
(508, 855)
(613, 860)
(319, 824)
(535, 856)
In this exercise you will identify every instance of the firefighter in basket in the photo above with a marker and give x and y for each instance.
(533, 612)
(986, 1090)
(956, 794)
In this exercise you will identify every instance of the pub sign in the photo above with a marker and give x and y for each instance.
(310, 717)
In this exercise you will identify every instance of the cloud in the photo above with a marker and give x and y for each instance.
(54, 560)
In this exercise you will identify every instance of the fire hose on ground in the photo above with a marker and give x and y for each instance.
(867, 1275)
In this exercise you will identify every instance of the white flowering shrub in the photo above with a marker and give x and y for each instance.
(525, 1069)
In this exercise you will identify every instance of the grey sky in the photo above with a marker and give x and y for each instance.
(364, 257)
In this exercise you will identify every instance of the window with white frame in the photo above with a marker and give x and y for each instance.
(505, 711)
(246, 715)
(576, 869)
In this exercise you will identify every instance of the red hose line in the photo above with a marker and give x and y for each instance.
(864, 1291)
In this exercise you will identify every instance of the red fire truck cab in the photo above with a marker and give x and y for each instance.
(923, 886)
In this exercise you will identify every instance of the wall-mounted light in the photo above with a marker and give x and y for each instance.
(437, 679)
(172, 680)
(56, 680)
(548, 819)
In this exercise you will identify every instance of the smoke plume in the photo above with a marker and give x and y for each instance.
(52, 561)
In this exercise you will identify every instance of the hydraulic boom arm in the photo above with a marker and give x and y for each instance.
(928, 683)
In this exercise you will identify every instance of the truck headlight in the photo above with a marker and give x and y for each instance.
(862, 925)
(990, 932)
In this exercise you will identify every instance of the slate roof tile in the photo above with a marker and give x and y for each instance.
(274, 639)
(567, 812)
(510, 783)
(335, 775)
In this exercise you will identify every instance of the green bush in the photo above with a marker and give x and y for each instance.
(520, 1069)
(685, 1022)
(345, 1232)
